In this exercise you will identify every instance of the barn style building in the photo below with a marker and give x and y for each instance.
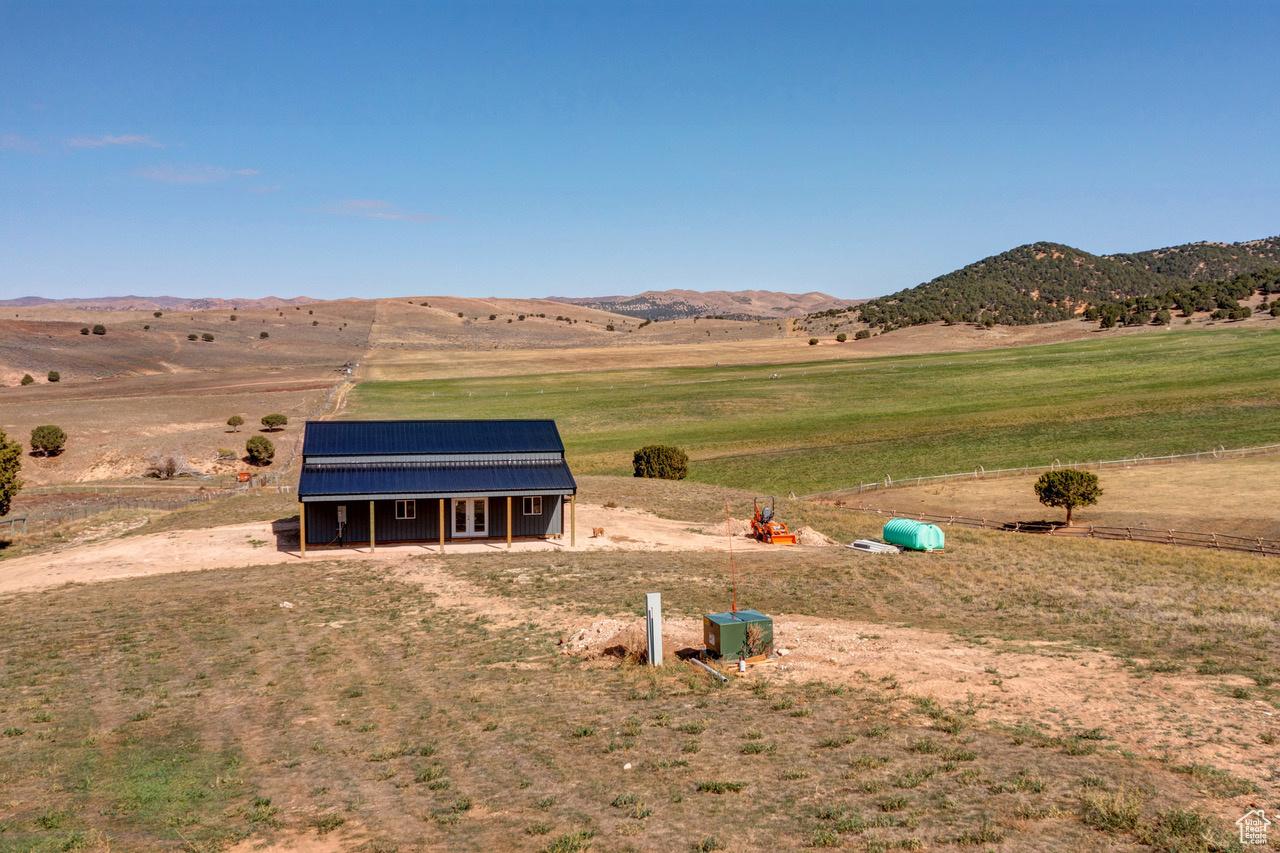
(374, 482)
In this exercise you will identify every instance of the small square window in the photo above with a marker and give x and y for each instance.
(406, 510)
(533, 506)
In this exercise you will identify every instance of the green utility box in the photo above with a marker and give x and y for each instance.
(745, 634)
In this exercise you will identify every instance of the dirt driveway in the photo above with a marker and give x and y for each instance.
(263, 542)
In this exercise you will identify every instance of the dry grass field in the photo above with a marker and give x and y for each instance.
(1010, 693)
(1227, 496)
(978, 699)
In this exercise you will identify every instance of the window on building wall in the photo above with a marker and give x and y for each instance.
(533, 506)
(406, 510)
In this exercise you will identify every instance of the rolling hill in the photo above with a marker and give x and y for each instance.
(727, 305)
(1047, 282)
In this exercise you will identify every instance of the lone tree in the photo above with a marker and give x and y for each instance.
(55, 376)
(274, 422)
(661, 462)
(1068, 488)
(99, 329)
(27, 379)
(10, 464)
(235, 422)
(48, 440)
(260, 449)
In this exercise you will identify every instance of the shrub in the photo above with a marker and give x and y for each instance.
(609, 328)
(99, 329)
(55, 376)
(813, 342)
(263, 335)
(10, 464)
(658, 461)
(48, 440)
(27, 379)
(235, 422)
(842, 337)
(520, 317)
(493, 316)
(157, 313)
(315, 322)
(260, 449)
(84, 330)
(226, 453)
(146, 327)
(207, 336)
(233, 318)
(193, 337)
(274, 422)
(862, 335)
(1068, 488)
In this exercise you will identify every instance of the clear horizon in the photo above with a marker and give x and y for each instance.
(532, 149)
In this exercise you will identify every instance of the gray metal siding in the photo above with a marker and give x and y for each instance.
(548, 524)
(391, 529)
(322, 522)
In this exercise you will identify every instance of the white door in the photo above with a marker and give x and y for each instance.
(470, 517)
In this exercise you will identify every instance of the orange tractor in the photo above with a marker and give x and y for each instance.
(767, 529)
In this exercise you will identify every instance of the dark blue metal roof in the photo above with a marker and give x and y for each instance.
(363, 438)
(429, 479)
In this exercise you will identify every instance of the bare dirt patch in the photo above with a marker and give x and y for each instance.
(253, 543)
(1052, 689)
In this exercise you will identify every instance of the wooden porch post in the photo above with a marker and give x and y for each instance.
(442, 525)
(508, 522)
(573, 520)
(302, 527)
(371, 543)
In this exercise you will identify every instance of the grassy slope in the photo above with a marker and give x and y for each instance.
(188, 711)
(819, 427)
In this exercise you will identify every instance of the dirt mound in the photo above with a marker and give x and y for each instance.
(809, 536)
(627, 640)
(742, 527)
(735, 526)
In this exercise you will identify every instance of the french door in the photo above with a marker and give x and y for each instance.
(470, 517)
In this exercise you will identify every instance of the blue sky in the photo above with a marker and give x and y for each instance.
(590, 148)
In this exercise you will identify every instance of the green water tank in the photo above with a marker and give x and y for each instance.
(915, 535)
(745, 634)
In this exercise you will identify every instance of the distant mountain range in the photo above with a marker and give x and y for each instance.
(730, 305)
(153, 303)
(1045, 282)
(1035, 283)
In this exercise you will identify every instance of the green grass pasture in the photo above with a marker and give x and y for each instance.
(806, 428)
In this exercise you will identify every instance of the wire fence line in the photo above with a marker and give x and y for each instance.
(1186, 538)
(980, 473)
(45, 518)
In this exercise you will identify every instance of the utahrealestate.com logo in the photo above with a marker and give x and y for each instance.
(1253, 827)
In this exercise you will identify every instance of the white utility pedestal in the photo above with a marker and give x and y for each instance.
(653, 625)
